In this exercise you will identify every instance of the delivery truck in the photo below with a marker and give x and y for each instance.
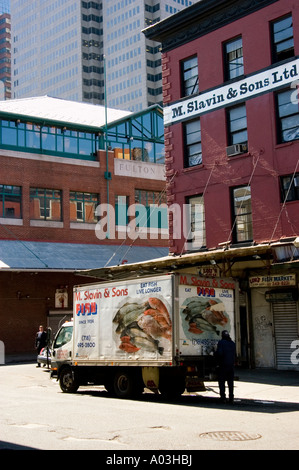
(156, 332)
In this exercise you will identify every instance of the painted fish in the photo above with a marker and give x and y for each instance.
(196, 301)
(127, 314)
(194, 329)
(146, 343)
(158, 305)
(160, 319)
(195, 311)
(127, 346)
(215, 317)
(151, 325)
(203, 325)
(124, 309)
(141, 339)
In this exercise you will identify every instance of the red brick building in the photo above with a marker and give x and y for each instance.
(231, 114)
(68, 176)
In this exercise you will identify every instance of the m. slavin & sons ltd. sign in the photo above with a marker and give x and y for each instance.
(249, 87)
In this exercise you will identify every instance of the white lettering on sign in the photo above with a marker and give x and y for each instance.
(227, 95)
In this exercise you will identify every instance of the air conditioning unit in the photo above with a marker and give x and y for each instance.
(236, 149)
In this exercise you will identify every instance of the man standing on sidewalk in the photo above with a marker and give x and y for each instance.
(40, 340)
(226, 354)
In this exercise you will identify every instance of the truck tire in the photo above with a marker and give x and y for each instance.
(171, 388)
(123, 384)
(68, 381)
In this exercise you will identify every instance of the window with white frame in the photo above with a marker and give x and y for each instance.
(242, 214)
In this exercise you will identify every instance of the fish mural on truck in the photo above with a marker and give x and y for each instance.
(142, 326)
(204, 316)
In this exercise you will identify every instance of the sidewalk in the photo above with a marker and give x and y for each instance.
(20, 358)
(265, 385)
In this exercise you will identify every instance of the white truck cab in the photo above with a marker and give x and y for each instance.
(62, 347)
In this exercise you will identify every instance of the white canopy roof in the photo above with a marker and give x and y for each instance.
(56, 109)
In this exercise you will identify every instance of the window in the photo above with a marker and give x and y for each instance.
(139, 138)
(121, 210)
(288, 116)
(290, 188)
(196, 229)
(242, 216)
(282, 39)
(193, 150)
(10, 201)
(233, 59)
(189, 71)
(45, 204)
(64, 336)
(237, 125)
(48, 140)
(83, 206)
(151, 209)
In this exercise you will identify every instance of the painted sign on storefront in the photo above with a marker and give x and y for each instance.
(279, 280)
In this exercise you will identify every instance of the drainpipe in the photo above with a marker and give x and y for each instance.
(107, 174)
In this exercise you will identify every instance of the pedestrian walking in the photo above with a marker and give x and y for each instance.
(40, 340)
(226, 355)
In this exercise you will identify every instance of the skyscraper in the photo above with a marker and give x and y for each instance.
(4, 6)
(59, 46)
(5, 51)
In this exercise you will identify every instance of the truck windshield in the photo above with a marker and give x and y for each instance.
(64, 336)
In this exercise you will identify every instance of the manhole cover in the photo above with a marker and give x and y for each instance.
(230, 436)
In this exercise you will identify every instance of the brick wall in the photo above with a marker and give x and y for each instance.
(25, 302)
(71, 176)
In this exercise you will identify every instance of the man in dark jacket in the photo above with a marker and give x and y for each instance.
(40, 340)
(226, 354)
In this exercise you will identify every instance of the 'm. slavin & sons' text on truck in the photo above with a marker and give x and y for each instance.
(157, 332)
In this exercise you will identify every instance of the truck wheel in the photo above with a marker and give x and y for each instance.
(67, 381)
(123, 384)
(172, 388)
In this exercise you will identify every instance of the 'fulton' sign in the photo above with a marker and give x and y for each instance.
(242, 90)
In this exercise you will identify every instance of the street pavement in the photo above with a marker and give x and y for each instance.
(264, 385)
(264, 416)
(268, 385)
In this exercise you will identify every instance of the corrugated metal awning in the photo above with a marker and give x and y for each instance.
(25, 255)
(173, 262)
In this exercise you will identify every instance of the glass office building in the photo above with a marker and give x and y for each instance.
(58, 49)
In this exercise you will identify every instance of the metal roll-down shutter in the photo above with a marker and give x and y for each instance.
(286, 331)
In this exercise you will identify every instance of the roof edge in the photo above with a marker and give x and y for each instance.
(200, 19)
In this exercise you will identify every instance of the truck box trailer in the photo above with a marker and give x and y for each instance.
(156, 332)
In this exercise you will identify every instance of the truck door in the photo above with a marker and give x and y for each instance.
(62, 346)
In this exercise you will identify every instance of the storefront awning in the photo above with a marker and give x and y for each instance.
(175, 262)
